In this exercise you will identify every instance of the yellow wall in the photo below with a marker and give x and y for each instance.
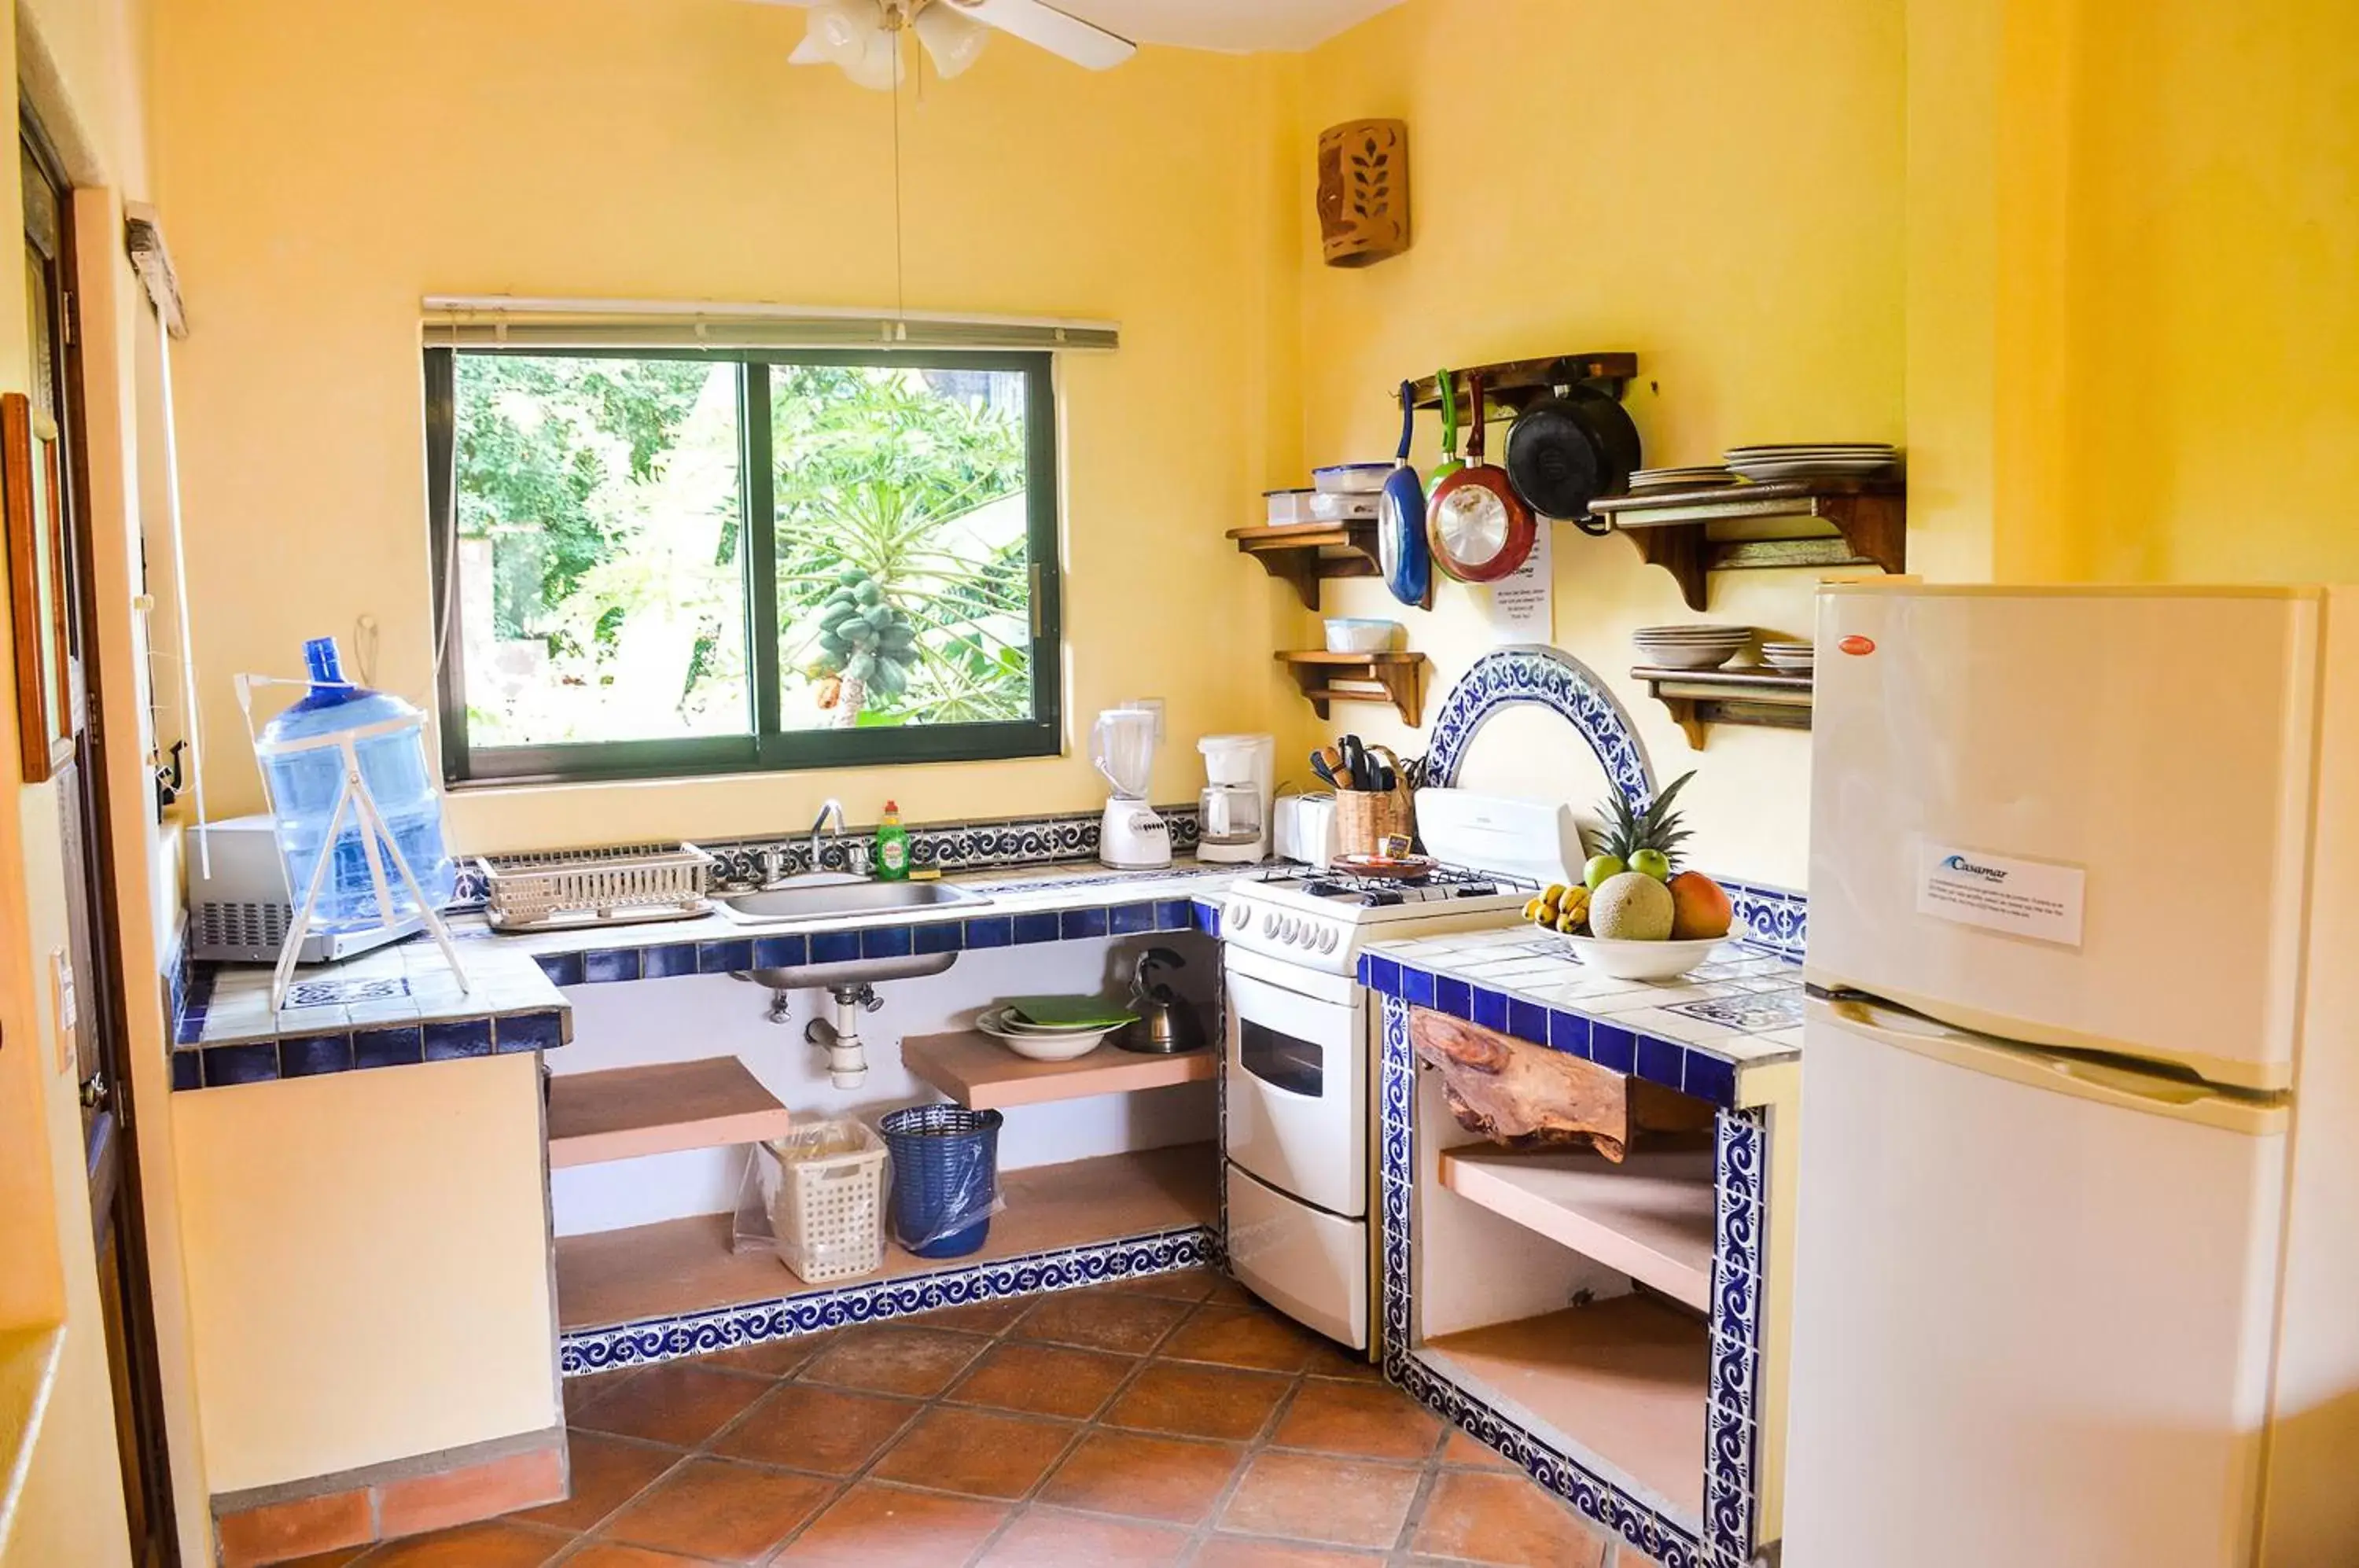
(327, 166)
(405, 1208)
(1717, 188)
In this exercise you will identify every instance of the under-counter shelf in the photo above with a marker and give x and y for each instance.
(983, 1075)
(627, 1112)
(1699, 699)
(1307, 554)
(1784, 523)
(1650, 1217)
(1401, 676)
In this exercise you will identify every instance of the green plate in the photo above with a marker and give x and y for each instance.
(1070, 1012)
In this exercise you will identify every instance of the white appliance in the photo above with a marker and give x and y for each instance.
(1132, 834)
(239, 909)
(1298, 1058)
(1304, 828)
(2076, 1277)
(1232, 814)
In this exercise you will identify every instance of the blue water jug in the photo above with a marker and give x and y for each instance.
(304, 782)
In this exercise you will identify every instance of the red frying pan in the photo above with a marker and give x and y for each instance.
(1478, 527)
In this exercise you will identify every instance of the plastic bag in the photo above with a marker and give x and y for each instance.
(945, 1177)
(818, 1195)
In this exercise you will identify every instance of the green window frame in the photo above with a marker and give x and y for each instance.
(769, 747)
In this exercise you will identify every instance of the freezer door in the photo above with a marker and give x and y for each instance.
(2071, 818)
(2032, 1310)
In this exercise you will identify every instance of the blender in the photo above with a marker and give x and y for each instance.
(1234, 812)
(1132, 836)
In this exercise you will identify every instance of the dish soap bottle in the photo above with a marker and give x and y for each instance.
(892, 846)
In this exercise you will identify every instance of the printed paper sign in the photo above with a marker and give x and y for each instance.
(1523, 608)
(2038, 898)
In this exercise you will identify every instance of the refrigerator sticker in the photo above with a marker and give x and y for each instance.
(2038, 898)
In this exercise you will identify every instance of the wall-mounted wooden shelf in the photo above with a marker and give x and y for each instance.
(1751, 695)
(1813, 522)
(983, 1075)
(626, 1112)
(1307, 554)
(1519, 382)
(1402, 676)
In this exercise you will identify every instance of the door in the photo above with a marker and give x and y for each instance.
(84, 977)
(2033, 1301)
(1296, 1082)
(2019, 798)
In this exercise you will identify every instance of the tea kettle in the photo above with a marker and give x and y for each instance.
(1166, 1025)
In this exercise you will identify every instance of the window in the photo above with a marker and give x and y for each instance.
(658, 563)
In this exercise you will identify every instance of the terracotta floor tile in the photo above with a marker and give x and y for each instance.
(1227, 1293)
(1167, 1478)
(607, 1473)
(494, 1544)
(1328, 1359)
(1179, 1285)
(1046, 1537)
(974, 1317)
(614, 1554)
(711, 1508)
(828, 1431)
(1504, 1519)
(780, 1357)
(1369, 1421)
(678, 1402)
(884, 1359)
(1042, 1379)
(1199, 1402)
(1314, 1499)
(980, 1452)
(876, 1526)
(1464, 1452)
(579, 1391)
(1231, 1552)
(342, 1557)
(1098, 1319)
(1234, 1336)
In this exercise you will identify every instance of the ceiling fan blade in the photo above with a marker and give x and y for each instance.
(1082, 42)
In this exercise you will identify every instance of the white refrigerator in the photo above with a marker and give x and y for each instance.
(2076, 1275)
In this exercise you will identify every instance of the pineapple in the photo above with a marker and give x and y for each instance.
(1654, 835)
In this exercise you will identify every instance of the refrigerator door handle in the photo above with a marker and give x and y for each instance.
(2082, 1077)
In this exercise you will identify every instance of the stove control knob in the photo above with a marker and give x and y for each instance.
(1286, 928)
(1311, 931)
(1240, 918)
(1327, 940)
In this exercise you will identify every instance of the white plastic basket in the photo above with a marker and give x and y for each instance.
(604, 887)
(827, 1207)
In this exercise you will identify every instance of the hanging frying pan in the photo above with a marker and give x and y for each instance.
(1447, 381)
(1400, 520)
(1566, 450)
(1478, 527)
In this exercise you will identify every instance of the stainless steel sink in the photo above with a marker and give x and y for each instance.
(830, 894)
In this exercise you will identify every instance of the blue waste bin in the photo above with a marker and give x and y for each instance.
(945, 1177)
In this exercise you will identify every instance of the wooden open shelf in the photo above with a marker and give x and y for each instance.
(686, 1265)
(627, 1112)
(1699, 699)
(1307, 554)
(1402, 676)
(983, 1075)
(1813, 522)
(1625, 1380)
(1519, 382)
(1651, 1217)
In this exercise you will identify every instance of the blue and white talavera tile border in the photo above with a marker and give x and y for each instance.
(583, 1351)
(1723, 1537)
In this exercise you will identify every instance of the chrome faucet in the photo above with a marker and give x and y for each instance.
(831, 808)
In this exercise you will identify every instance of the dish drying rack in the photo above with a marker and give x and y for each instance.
(624, 886)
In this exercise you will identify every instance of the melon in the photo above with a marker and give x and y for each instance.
(1632, 907)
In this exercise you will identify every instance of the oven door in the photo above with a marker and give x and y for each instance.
(1296, 1076)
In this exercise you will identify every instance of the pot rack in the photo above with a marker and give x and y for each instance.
(1519, 383)
(1784, 523)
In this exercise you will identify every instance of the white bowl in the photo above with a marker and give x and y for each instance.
(1641, 960)
(1064, 1047)
(1705, 657)
(1347, 634)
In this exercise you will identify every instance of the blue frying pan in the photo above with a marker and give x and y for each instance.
(1401, 548)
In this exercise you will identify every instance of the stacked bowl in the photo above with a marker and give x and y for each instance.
(1690, 647)
(1794, 658)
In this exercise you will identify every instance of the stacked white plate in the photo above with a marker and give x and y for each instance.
(1700, 477)
(1814, 459)
(1796, 657)
(1042, 1042)
(1690, 647)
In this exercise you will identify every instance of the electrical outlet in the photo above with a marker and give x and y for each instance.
(1152, 705)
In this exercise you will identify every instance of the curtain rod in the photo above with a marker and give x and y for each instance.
(512, 304)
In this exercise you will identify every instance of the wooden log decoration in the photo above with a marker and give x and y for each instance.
(1527, 1096)
(1363, 190)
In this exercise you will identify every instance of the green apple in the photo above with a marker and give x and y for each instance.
(1652, 863)
(1600, 867)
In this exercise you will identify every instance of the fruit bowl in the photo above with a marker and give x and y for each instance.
(1640, 960)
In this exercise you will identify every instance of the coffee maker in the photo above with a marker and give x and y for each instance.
(1233, 813)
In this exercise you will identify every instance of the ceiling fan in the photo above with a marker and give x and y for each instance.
(863, 37)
